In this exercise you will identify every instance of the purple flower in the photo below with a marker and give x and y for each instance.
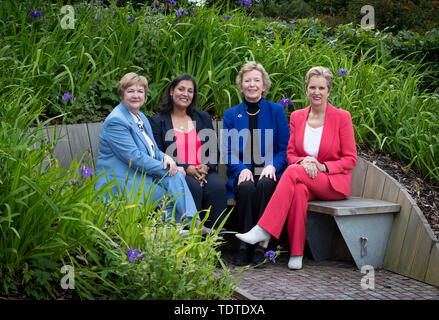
(270, 255)
(67, 96)
(180, 11)
(227, 17)
(85, 172)
(35, 14)
(285, 102)
(131, 19)
(132, 254)
(247, 3)
(172, 2)
(73, 182)
(342, 72)
(437, 95)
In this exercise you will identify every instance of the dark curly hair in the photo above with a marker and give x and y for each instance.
(167, 104)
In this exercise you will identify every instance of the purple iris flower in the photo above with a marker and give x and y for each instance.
(437, 95)
(68, 95)
(180, 11)
(247, 3)
(227, 17)
(342, 72)
(132, 254)
(35, 14)
(85, 172)
(285, 102)
(73, 182)
(270, 255)
(131, 19)
(172, 2)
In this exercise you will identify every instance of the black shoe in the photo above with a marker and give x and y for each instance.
(258, 257)
(240, 258)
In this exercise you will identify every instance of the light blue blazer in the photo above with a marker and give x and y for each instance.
(123, 151)
(120, 141)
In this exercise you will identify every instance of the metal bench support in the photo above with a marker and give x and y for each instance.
(363, 223)
(366, 237)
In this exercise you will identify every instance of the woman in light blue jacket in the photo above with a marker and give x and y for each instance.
(129, 153)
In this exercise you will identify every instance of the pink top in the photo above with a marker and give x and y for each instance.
(188, 147)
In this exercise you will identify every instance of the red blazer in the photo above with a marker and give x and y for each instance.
(337, 146)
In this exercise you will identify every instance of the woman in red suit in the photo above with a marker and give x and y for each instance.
(321, 154)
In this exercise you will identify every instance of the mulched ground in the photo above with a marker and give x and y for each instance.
(425, 194)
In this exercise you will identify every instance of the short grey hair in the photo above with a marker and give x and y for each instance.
(250, 66)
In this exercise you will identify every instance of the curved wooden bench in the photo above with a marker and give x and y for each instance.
(408, 245)
(412, 248)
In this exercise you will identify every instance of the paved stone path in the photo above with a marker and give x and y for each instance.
(328, 280)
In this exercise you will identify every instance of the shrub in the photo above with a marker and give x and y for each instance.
(331, 7)
(397, 15)
(283, 9)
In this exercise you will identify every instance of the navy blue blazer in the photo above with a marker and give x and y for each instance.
(161, 123)
(273, 139)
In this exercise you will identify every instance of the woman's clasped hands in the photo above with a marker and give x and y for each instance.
(312, 166)
(198, 172)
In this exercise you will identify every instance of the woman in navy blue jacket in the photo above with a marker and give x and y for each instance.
(254, 141)
(187, 135)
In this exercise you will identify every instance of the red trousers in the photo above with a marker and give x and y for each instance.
(290, 200)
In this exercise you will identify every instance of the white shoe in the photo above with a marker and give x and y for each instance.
(295, 263)
(255, 235)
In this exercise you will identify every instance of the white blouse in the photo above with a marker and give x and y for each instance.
(139, 123)
(311, 140)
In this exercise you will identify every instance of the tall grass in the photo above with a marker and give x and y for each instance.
(48, 219)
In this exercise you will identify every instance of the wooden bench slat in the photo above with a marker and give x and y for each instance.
(93, 132)
(353, 206)
(79, 142)
(62, 149)
(358, 177)
(374, 184)
(398, 232)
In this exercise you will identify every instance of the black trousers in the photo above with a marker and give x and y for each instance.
(213, 194)
(251, 200)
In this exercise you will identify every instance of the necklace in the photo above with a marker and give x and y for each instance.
(253, 114)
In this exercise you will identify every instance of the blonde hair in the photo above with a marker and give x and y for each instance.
(320, 71)
(250, 66)
(130, 79)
